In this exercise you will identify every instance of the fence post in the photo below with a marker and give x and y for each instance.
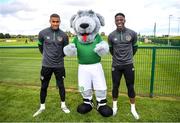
(152, 71)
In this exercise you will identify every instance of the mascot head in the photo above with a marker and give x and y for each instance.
(86, 25)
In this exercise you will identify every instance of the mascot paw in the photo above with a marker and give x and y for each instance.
(84, 108)
(105, 111)
(102, 48)
(70, 50)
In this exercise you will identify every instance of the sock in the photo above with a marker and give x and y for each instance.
(114, 108)
(133, 111)
(114, 104)
(133, 107)
(42, 106)
(63, 104)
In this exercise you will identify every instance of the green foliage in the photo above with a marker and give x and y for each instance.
(7, 35)
(105, 38)
(1, 35)
(174, 41)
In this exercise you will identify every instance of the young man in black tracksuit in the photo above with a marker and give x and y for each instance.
(52, 40)
(122, 43)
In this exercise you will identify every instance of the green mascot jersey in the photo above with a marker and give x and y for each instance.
(85, 52)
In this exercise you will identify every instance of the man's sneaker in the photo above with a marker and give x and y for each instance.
(65, 109)
(114, 111)
(135, 114)
(38, 112)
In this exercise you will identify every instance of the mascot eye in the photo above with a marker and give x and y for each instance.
(80, 13)
(91, 12)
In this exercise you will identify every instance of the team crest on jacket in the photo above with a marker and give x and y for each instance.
(47, 37)
(128, 37)
(59, 38)
(115, 39)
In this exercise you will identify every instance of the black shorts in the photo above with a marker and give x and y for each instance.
(47, 72)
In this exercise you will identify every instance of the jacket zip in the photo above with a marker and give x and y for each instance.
(54, 36)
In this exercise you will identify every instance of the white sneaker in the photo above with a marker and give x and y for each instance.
(65, 109)
(135, 114)
(114, 111)
(38, 112)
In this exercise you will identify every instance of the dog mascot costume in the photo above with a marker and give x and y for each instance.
(89, 47)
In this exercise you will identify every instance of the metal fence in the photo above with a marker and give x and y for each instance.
(157, 69)
(160, 67)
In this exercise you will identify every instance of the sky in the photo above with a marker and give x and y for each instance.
(28, 17)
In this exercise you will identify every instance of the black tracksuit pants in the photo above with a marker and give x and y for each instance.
(128, 71)
(46, 74)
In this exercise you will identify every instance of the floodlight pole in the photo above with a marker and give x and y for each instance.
(169, 29)
(178, 25)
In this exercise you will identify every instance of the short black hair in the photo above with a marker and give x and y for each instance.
(54, 15)
(119, 14)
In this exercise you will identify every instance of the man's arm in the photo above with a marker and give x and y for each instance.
(40, 43)
(134, 44)
(110, 45)
(66, 42)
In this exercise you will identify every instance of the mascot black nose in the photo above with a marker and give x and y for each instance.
(84, 25)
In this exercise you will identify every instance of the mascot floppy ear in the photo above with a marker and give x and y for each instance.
(101, 19)
(71, 20)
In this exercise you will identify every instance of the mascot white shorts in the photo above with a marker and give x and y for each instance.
(91, 77)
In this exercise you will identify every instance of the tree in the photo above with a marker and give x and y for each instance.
(102, 33)
(7, 35)
(1, 35)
